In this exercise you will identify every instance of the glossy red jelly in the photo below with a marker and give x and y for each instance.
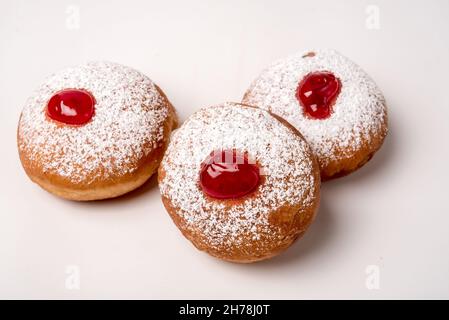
(71, 106)
(317, 93)
(228, 174)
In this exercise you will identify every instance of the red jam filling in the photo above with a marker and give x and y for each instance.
(71, 106)
(228, 174)
(317, 93)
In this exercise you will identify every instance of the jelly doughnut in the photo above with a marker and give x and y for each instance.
(240, 183)
(94, 131)
(331, 101)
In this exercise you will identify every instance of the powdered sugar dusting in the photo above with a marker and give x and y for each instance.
(128, 123)
(358, 114)
(284, 157)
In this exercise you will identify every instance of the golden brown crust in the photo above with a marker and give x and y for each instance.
(346, 165)
(102, 187)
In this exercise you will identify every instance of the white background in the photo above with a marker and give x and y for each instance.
(393, 213)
